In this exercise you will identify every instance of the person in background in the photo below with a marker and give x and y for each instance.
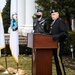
(59, 32)
(39, 24)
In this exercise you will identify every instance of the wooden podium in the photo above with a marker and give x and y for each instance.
(42, 46)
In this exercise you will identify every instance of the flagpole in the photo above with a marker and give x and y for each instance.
(17, 67)
(0, 53)
(5, 57)
(17, 70)
(6, 72)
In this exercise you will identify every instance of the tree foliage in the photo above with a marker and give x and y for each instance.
(6, 16)
(60, 5)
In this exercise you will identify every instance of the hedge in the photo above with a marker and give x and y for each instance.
(69, 41)
(23, 49)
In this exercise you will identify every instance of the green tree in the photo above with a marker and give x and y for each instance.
(45, 5)
(6, 16)
(66, 8)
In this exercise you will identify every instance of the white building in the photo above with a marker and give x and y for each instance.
(26, 10)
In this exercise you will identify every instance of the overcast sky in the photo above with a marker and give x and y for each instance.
(2, 4)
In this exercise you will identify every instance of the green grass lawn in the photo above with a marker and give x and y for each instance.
(25, 64)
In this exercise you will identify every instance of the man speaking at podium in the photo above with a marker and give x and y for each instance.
(59, 32)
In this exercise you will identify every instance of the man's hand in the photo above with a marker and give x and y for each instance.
(55, 37)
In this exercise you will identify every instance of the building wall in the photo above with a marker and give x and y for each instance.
(26, 9)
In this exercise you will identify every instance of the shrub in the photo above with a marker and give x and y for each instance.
(70, 41)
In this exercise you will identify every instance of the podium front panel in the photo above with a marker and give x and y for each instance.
(44, 41)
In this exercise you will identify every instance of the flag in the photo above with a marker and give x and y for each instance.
(14, 38)
(2, 39)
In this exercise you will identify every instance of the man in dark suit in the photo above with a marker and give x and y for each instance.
(59, 32)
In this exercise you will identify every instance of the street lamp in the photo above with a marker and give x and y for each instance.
(71, 48)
